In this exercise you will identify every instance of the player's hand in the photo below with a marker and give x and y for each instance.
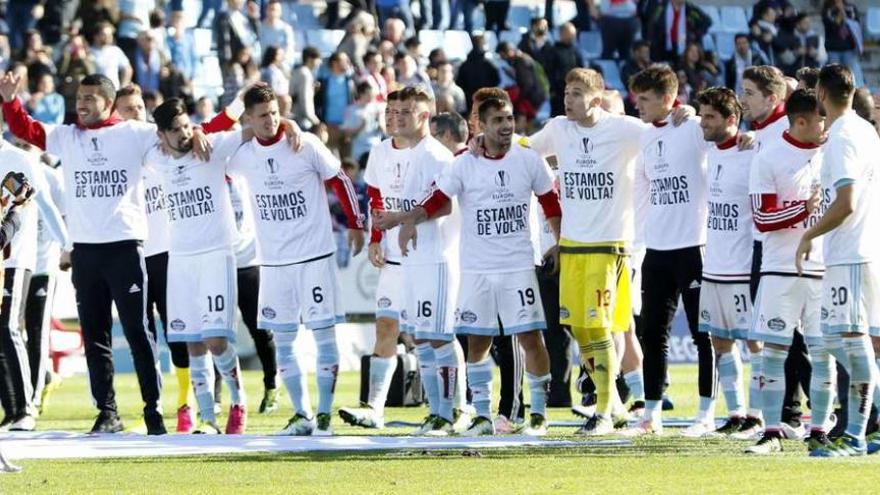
(681, 113)
(355, 241)
(552, 257)
(201, 146)
(374, 252)
(9, 86)
(24, 196)
(802, 253)
(408, 232)
(813, 203)
(475, 145)
(746, 141)
(64, 262)
(293, 134)
(386, 220)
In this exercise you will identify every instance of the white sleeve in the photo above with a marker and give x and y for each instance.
(542, 141)
(761, 176)
(225, 144)
(450, 181)
(145, 136)
(542, 177)
(842, 162)
(324, 161)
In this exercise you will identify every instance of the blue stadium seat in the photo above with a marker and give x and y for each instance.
(734, 19)
(431, 39)
(709, 43)
(301, 15)
(514, 36)
(325, 40)
(715, 15)
(520, 16)
(203, 41)
(611, 73)
(191, 11)
(457, 44)
(590, 44)
(209, 79)
(872, 23)
(491, 41)
(725, 44)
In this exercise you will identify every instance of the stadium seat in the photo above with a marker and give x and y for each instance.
(431, 39)
(209, 73)
(302, 15)
(457, 44)
(491, 40)
(325, 40)
(590, 44)
(299, 41)
(514, 36)
(725, 45)
(520, 16)
(203, 41)
(715, 15)
(563, 12)
(872, 23)
(191, 11)
(734, 19)
(611, 73)
(709, 43)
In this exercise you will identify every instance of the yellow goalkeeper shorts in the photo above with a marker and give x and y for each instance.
(594, 286)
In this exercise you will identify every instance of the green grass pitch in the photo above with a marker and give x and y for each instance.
(669, 464)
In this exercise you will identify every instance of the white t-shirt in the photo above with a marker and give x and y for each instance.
(110, 60)
(772, 132)
(495, 196)
(791, 172)
(403, 184)
(48, 248)
(728, 255)
(596, 168)
(289, 199)
(23, 246)
(674, 178)
(246, 241)
(157, 240)
(852, 156)
(200, 217)
(102, 178)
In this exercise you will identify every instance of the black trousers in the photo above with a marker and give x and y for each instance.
(558, 341)
(617, 36)
(798, 367)
(157, 292)
(666, 275)
(248, 298)
(37, 324)
(104, 274)
(16, 389)
(496, 14)
(511, 362)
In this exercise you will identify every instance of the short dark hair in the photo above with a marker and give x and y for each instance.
(393, 96)
(361, 88)
(484, 94)
(491, 104)
(808, 75)
(451, 122)
(257, 95)
(105, 86)
(169, 110)
(863, 104)
(310, 53)
(416, 93)
(411, 42)
(740, 35)
(801, 103)
(838, 83)
(657, 78)
(638, 45)
(768, 79)
(723, 100)
(131, 89)
(367, 56)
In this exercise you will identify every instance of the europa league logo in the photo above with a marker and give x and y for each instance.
(95, 146)
(501, 179)
(270, 164)
(718, 172)
(587, 145)
(660, 148)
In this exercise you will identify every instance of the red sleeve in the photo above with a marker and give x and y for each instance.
(435, 201)
(23, 125)
(347, 199)
(550, 204)
(221, 122)
(769, 216)
(376, 203)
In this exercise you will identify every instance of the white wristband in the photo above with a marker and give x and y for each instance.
(235, 109)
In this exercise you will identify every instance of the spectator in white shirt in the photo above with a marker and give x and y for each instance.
(109, 58)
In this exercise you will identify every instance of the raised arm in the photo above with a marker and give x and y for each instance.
(20, 123)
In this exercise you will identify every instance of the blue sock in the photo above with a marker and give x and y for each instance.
(428, 373)
(461, 386)
(861, 384)
(230, 370)
(201, 370)
(447, 377)
(730, 377)
(706, 413)
(381, 373)
(479, 377)
(635, 380)
(877, 387)
(328, 367)
(291, 374)
(822, 386)
(774, 386)
(756, 361)
(653, 410)
(538, 388)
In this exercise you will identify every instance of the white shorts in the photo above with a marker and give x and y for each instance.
(300, 293)
(784, 304)
(389, 291)
(635, 288)
(202, 296)
(725, 310)
(484, 298)
(426, 310)
(851, 299)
